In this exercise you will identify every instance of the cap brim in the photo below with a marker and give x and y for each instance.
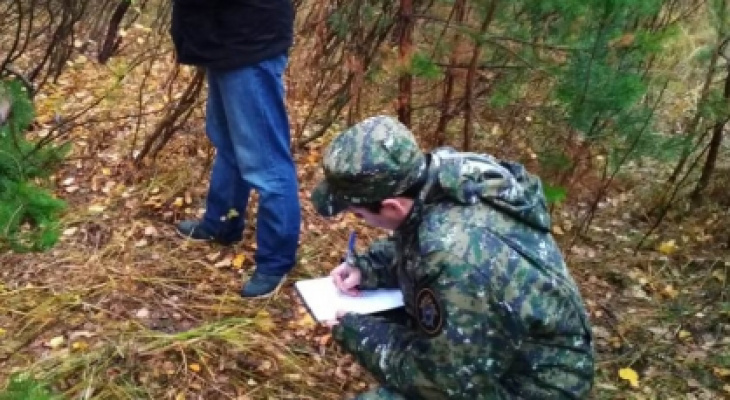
(325, 202)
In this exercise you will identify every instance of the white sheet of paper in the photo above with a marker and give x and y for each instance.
(324, 299)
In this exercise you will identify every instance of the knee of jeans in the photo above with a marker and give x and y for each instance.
(272, 183)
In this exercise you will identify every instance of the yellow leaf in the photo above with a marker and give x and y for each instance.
(194, 367)
(721, 372)
(96, 209)
(264, 322)
(2, 332)
(668, 247)
(80, 345)
(684, 334)
(630, 375)
(179, 201)
(56, 342)
(670, 291)
(238, 260)
(106, 171)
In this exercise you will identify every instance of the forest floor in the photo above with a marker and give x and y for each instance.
(123, 308)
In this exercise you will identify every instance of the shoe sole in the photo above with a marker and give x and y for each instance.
(190, 238)
(269, 294)
(211, 240)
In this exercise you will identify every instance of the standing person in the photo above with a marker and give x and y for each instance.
(491, 309)
(243, 45)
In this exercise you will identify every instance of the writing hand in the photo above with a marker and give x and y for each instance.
(347, 278)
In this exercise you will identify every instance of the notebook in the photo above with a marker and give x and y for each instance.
(323, 299)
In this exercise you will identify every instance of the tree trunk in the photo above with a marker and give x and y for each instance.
(458, 14)
(471, 78)
(405, 82)
(714, 150)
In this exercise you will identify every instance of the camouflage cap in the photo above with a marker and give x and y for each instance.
(374, 160)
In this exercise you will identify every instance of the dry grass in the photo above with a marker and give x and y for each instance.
(143, 314)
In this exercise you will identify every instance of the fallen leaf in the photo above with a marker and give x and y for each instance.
(683, 334)
(265, 365)
(96, 209)
(306, 321)
(668, 247)
(56, 342)
(143, 313)
(224, 262)
(80, 345)
(264, 322)
(237, 262)
(325, 340)
(721, 372)
(606, 386)
(670, 291)
(232, 213)
(693, 383)
(623, 41)
(194, 367)
(150, 231)
(80, 334)
(179, 201)
(719, 275)
(70, 231)
(629, 375)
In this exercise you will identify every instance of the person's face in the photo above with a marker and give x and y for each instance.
(391, 215)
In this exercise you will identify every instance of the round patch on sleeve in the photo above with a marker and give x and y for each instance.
(430, 314)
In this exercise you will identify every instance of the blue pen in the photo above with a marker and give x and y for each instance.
(350, 257)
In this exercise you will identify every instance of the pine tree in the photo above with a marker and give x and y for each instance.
(28, 212)
(22, 387)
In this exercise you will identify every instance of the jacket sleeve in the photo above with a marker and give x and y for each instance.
(468, 353)
(376, 265)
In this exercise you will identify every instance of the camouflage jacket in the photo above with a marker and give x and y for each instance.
(496, 314)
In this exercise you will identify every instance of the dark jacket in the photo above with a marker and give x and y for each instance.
(497, 314)
(226, 34)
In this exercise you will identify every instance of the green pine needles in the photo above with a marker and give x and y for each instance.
(22, 387)
(28, 212)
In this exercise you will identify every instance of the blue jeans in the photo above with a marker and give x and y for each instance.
(247, 123)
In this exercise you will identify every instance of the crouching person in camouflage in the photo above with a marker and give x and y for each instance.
(492, 310)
